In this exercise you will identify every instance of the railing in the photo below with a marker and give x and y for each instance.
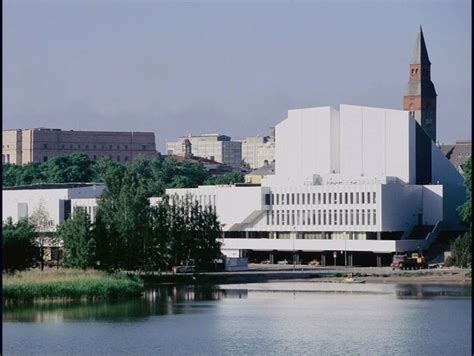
(432, 236)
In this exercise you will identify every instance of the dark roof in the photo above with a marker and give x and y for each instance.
(52, 186)
(266, 170)
(420, 54)
(458, 153)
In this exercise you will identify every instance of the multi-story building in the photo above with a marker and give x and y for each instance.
(259, 151)
(362, 180)
(39, 145)
(219, 148)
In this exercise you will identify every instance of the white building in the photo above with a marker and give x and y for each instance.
(363, 180)
(219, 148)
(58, 200)
(258, 151)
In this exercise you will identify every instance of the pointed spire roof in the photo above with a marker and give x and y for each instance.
(420, 54)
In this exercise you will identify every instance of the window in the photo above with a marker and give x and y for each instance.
(297, 198)
(362, 195)
(374, 220)
(335, 198)
(357, 216)
(303, 217)
(368, 197)
(62, 146)
(278, 199)
(309, 217)
(8, 158)
(278, 217)
(110, 157)
(314, 198)
(329, 198)
(143, 148)
(324, 198)
(267, 199)
(78, 146)
(95, 157)
(273, 217)
(319, 217)
(45, 145)
(287, 198)
(314, 217)
(308, 199)
(373, 197)
(302, 198)
(362, 217)
(340, 198)
(335, 217)
(283, 217)
(118, 158)
(272, 198)
(126, 159)
(126, 147)
(118, 147)
(352, 217)
(324, 217)
(346, 217)
(368, 217)
(319, 198)
(357, 197)
(95, 146)
(293, 217)
(329, 217)
(341, 222)
(345, 198)
(293, 198)
(70, 146)
(87, 146)
(268, 217)
(45, 158)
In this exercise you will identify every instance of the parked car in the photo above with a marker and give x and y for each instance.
(265, 262)
(183, 269)
(314, 263)
(283, 262)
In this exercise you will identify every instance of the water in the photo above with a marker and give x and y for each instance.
(266, 319)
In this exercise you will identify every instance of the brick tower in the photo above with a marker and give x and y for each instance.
(420, 95)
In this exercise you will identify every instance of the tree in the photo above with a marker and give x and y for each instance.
(462, 247)
(41, 222)
(18, 242)
(77, 237)
(228, 178)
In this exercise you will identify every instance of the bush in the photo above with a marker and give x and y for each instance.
(19, 247)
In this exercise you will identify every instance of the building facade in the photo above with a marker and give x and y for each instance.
(219, 148)
(360, 180)
(458, 153)
(258, 151)
(420, 94)
(39, 145)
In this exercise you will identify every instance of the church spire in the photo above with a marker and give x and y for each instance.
(420, 54)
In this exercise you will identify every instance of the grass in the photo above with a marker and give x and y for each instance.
(69, 284)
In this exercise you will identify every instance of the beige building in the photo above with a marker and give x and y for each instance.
(39, 145)
(259, 151)
(219, 148)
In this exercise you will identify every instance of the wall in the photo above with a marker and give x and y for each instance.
(376, 142)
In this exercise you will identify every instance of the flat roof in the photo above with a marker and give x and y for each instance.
(52, 186)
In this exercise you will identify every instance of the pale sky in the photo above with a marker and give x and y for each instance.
(233, 68)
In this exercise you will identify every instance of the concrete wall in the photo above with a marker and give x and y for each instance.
(376, 142)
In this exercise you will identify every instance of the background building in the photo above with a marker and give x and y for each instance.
(420, 94)
(219, 148)
(458, 153)
(38, 145)
(259, 151)
(367, 181)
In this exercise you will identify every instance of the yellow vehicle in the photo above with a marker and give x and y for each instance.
(415, 261)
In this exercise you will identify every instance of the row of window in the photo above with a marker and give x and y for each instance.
(110, 147)
(322, 217)
(320, 198)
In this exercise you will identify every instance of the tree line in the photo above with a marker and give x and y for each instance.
(156, 175)
(128, 233)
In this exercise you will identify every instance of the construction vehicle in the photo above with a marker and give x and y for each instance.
(415, 261)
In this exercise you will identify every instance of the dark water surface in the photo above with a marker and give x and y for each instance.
(265, 319)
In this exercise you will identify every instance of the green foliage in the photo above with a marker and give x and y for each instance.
(76, 234)
(465, 210)
(69, 284)
(461, 251)
(462, 247)
(228, 178)
(18, 242)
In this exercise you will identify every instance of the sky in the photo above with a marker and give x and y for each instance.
(226, 67)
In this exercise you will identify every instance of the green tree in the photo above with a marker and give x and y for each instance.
(77, 237)
(228, 178)
(66, 169)
(462, 247)
(18, 242)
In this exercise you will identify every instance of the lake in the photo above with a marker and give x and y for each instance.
(262, 318)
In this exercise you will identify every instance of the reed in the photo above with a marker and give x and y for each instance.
(69, 284)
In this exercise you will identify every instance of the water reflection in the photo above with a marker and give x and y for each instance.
(163, 300)
(179, 299)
